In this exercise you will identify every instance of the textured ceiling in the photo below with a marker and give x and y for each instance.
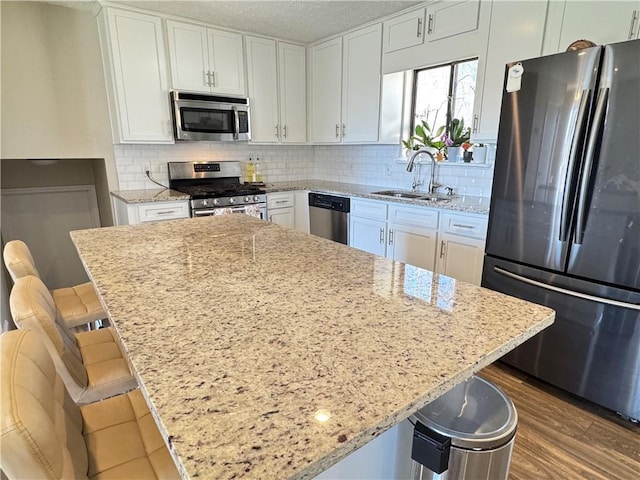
(302, 21)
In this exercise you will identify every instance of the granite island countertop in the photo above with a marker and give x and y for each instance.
(462, 203)
(240, 331)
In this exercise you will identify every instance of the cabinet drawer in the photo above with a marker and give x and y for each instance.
(280, 200)
(414, 216)
(369, 209)
(153, 212)
(465, 225)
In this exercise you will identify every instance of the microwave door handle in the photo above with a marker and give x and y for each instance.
(236, 118)
(596, 127)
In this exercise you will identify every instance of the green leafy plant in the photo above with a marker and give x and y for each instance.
(424, 137)
(458, 133)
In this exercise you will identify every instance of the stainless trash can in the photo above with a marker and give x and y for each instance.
(467, 433)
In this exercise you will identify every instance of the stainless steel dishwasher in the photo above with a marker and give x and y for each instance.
(329, 217)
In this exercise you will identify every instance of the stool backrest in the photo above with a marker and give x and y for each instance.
(18, 259)
(32, 307)
(41, 425)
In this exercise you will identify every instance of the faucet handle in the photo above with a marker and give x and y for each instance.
(449, 191)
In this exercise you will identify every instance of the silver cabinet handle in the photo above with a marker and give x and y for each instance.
(390, 237)
(344, 129)
(382, 235)
(442, 245)
(213, 79)
(475, 123)
(460, 225)
(337, 131)
(419, 28)
(281, 201)
(276, 127)
(564, 291)
(634, 17)
(206, 77)
(285, 131)
(166, 212)
(430, 25)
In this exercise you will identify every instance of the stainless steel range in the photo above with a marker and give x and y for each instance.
(215, 189)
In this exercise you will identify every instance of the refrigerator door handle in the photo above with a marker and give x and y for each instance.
(565, 213)
(598, 119)
(564, 291)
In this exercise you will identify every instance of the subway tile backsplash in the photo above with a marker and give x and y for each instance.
(364, 164)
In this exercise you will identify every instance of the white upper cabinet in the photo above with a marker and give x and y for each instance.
(404, 31)
(262, 83)
(599, 21)
(361, 84)
(277, 90)
(137, 90)
(326, 85)
(205, 60)
(522, 23)
(447, 18)
(345, 87)
(293, 92)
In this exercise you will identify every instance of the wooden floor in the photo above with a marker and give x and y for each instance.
(562, 437)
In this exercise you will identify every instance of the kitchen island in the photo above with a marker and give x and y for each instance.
(268, 353)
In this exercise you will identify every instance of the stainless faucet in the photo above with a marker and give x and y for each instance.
(433, 185)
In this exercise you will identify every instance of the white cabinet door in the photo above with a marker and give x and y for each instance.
(368, 235)
(523, 23)
(293, 93)
(404, 31)
(135, 65)
(226, 62)
(189, 56)
(461, 258)
(283, 216)
(599, 21)
(361, 85)
(262, 83)
(326, 88)
(451, 17)
(413, 246)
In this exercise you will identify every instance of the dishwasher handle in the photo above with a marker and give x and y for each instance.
(329, 202)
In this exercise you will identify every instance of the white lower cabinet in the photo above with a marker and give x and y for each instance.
(461, 246)
(281, 208)
(404, 233)
(134, 213)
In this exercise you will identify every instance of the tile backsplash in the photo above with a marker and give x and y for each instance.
(364, 164)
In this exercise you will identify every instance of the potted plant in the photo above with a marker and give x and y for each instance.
(424, 138)
(457, 135)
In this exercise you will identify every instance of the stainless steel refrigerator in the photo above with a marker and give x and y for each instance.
(564, 222)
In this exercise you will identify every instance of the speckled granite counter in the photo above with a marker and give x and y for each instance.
(240, 331)
(463, 203)
(147, 196)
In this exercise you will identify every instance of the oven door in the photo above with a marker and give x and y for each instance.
(257, 210)
(197, 120)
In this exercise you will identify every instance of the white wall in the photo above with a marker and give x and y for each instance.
(54, 102)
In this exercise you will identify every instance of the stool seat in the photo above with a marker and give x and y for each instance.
(46, 435)
(78, 305)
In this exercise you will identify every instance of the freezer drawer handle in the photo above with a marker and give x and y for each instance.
(564, 291)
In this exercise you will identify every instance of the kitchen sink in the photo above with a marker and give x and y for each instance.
(415, 196)
(399, 194)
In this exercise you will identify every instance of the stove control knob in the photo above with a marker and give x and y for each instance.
(247, 199)
(215, 201)
(232, 200)
(205, 202)
(256, 198)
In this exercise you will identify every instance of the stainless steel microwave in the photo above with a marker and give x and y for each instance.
(198, 116)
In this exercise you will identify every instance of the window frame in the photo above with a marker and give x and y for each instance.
(414, 89)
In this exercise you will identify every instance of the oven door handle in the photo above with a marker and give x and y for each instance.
(236, 120)
(210, 211)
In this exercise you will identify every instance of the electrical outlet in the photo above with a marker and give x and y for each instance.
(387, 170)
(147, 167)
